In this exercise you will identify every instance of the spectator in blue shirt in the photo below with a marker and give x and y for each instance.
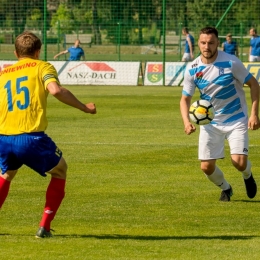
(189, 45)
(76, 52)
(230, 46)
(254, 50)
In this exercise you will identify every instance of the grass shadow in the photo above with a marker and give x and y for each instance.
(247, 201)
(157, 238)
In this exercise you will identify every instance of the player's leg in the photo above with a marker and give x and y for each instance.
(214, 174)
(211, 148)
(185, 57)
(5, 181)
(54, 194)
(238, 142)
(8, 164)
(39, 152)
(252, 58)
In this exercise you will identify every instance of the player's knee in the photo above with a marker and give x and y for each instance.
(207, 167)
(240, 166)
(9, 175)
(239, 162)
(60, 171)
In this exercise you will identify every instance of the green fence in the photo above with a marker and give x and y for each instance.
(130, 30)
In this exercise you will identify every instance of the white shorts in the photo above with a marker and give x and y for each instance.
(254, 58)
(186, 57)
(212, 140)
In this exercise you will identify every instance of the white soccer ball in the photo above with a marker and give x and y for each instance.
(201, 112)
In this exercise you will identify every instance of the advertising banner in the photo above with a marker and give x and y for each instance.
(93, 72)
(97, 73)
(174, 72)
(123, 73)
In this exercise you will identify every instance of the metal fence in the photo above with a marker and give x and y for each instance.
(130, 30)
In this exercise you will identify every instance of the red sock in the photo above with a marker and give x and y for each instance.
(54, 196)
(4, 189)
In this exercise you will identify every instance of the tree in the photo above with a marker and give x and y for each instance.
(63, 18)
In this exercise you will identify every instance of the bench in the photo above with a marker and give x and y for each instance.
(172, 40)
(84, 39)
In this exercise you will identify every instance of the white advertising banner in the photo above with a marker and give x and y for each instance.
(174, 72)
(93, 72)
(123, 73)
(97, 73)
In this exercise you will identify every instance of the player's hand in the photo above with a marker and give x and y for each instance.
(91, 108)
(189, 128)
(253, 123)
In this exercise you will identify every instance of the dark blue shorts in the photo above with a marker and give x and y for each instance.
(36, 150)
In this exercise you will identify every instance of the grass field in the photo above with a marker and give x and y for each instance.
(134, 189)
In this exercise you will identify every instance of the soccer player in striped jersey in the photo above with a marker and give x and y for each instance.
(24, 88)
(220, 78)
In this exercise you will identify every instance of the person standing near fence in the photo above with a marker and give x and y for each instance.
(24, 88)
(254, 50)
(230, 46)
(220, 78)
(189, 45)
(76, 52)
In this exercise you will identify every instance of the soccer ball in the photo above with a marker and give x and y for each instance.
(201, 112)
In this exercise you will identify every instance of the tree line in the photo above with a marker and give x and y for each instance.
(132, 17)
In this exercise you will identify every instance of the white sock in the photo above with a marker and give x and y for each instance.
(247, 172)
(217, 177)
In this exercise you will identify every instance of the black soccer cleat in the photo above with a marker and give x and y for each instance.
(226, 194)
(42, 233)
(251, 187)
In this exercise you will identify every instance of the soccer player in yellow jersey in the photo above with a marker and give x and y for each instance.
(24, 88)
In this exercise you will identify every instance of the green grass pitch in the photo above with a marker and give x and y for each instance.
(134, 187)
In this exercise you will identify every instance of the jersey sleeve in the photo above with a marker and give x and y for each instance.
(239, 71)
(188, 83)
(49, 74)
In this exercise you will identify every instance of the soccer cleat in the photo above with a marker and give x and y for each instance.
(42, 233)
(251, 187)
(226, 194)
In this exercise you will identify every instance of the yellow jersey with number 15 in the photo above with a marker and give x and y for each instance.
(23, 96)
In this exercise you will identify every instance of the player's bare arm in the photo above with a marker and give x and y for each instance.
(62, 52)
(190, 46)
(253, 122)
(66, 97)
(189, 128)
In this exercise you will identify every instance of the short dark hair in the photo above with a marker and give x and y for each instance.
(209, 30)
(185, 29)
(26, 44)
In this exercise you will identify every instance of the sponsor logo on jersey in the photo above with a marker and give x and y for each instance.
(199, 75)
(221, 71)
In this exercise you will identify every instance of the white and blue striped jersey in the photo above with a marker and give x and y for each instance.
(221, 83)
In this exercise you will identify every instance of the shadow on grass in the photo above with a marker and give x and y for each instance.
(126, 237)
(247, 201)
